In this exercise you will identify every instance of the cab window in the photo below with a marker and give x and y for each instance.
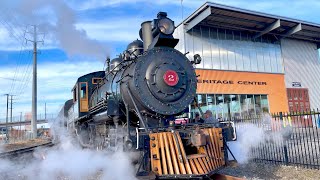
(96, 80)
(74, 92)
(83, 90)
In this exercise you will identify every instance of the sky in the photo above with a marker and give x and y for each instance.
(76, 36)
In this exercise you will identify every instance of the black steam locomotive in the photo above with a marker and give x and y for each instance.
(133, 105)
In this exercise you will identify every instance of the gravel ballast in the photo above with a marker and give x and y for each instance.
(254, 170)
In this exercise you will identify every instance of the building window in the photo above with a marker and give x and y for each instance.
(289, 95)
(244, 105)
(228, 106)
(306, 95)
(211, 100)
(202, 101)
(291, 109)
(295, 95)
(220, 105)
(302, 107)
(296, 104)
(300, 95)
(300, 100)
(264, 103)
(251, 106)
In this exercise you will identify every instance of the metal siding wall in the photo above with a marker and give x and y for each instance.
(178, 34)
(302, 64)
(223, 51)
(185, 37)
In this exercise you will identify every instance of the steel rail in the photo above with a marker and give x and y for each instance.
(24, 150)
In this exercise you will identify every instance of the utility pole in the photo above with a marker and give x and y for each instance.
(20, 134)
(7, 132)
(11, 107)
(34, 82)
(45, 111)
(34, 85)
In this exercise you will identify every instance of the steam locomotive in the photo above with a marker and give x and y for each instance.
(134, 102)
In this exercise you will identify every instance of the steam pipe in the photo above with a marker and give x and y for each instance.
(137, 110)
(128, 120)
(146, 34)
(108, 64)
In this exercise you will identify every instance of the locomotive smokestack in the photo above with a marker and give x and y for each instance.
(146, 34)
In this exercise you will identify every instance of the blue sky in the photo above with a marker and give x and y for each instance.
(79, 34)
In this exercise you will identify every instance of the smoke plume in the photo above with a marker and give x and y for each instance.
(57, 20)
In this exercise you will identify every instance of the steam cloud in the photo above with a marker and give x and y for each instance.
(57, 20)
(250, 136)
(69, 161)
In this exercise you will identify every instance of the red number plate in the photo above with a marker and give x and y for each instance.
(171, 78)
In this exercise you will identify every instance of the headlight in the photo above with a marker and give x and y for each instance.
(166, 26)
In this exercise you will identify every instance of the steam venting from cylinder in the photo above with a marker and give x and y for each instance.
(146, 30)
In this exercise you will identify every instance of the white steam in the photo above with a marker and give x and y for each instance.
(248, 136)
(254, 135)
(54, 18)
(69, 161)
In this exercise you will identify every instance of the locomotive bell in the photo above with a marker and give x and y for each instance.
(135, 47)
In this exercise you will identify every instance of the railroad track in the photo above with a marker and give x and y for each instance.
(225, 177)
(214, 176)
(16, 152)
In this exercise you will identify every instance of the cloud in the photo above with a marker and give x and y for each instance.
(93, 4)
(84, 34)
(298, 9)
(57, 20)
(112, 29)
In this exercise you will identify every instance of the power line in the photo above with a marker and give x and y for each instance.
(26, 78)
(22, 73)
(27, 75)
(11, 79)
(17, 70)
(13, 28)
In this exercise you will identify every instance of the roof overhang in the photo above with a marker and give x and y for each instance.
(227, 17)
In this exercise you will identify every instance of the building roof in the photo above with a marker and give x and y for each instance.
(227, 17)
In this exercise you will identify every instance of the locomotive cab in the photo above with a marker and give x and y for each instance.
(82, 92)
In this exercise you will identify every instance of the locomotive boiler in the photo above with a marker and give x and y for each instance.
(134, 102)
